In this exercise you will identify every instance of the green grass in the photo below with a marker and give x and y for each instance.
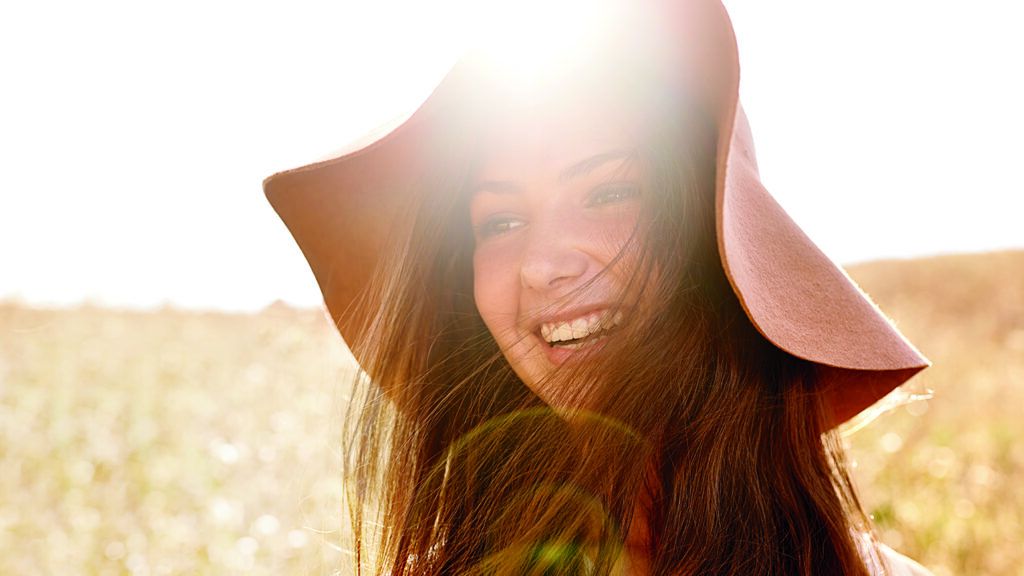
(178, 442)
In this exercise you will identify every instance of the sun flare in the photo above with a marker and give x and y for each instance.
(531, 41)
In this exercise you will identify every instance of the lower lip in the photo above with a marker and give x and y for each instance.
(558, 355)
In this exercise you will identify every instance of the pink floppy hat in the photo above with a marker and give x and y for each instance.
(340, 212)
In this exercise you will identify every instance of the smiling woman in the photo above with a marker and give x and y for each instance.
(594, 344)
(547, 222)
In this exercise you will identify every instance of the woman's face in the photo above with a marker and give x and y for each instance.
(556, 200)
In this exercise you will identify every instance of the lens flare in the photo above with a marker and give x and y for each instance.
(532, 41)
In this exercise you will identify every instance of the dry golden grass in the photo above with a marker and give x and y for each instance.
(943, 478)
(169, 443)
(185, 443)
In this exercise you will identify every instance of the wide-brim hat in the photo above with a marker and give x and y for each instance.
(341, 211)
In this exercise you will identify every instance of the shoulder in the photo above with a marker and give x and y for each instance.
(900, 565)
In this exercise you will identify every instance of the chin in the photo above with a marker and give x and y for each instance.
(540, 373)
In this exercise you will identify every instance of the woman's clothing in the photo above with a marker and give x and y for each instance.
(896, 564)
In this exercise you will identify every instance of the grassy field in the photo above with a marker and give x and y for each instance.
(943, 478)
(178, 442)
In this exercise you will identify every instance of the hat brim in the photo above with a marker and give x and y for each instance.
(340, 212)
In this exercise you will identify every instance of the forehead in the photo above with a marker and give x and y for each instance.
(525, 137)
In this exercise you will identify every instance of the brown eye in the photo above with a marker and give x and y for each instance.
(612, 194)
(498, 225)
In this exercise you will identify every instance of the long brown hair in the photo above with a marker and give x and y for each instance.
(697, 428)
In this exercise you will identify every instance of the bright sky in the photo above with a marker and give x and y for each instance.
(134, 136)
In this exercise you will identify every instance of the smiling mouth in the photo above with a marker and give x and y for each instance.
(578, 343)
(580, 332)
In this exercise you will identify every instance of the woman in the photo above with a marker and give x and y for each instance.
(594, 342)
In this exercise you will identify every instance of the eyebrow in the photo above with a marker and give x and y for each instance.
(581, 168)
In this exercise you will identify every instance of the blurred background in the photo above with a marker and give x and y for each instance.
(171, 392)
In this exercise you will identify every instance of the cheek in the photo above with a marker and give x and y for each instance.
(495, 291)
(610, 234)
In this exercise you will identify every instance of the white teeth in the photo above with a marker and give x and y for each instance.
(578, 345)
(579, 327)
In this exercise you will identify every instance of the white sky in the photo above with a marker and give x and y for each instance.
(134, 136)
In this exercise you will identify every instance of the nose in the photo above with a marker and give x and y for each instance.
(550, 260)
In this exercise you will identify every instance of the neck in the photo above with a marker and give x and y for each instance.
(637, 550)
(638, 546)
